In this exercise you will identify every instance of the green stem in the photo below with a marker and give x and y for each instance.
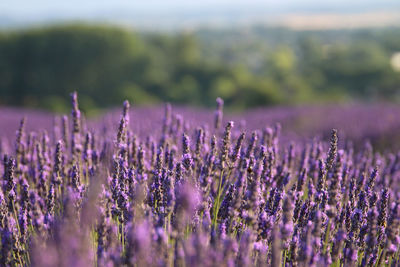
(216, 206)
(327, 236)
(284, 257)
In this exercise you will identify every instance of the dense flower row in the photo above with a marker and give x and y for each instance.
(204, 196)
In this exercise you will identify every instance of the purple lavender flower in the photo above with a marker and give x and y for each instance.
(218, 113)
(147, 202)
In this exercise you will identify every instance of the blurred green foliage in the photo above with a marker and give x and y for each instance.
(254, 67)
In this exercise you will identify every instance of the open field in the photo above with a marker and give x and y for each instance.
(377, 123)
(186, 187)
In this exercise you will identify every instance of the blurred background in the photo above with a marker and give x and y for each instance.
(251, 53)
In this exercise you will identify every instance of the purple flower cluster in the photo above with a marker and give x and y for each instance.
(193, 195)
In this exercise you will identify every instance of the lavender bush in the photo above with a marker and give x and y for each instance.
(357, 123)
(194, 195)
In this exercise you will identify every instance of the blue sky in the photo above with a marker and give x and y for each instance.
(37, 7)
(31, 11)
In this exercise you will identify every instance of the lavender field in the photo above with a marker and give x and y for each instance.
(175, 186)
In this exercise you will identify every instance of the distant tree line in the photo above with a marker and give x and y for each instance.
(257, 67)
